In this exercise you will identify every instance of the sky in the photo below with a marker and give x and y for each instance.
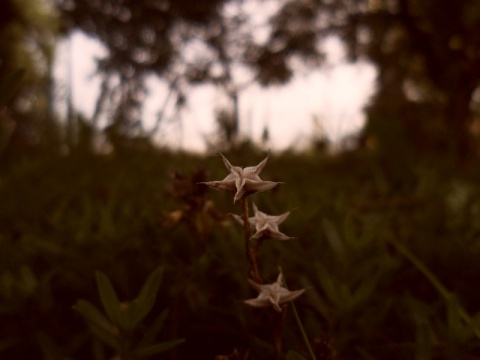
(335, 94)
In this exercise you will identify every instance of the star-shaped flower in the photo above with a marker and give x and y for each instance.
(242, 182)
(272, 294)
(265, 226)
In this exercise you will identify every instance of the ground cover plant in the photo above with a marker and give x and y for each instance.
(389, 266)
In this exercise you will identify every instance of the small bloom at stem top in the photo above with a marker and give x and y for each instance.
(242, 182)
(272, 294)
(265, 226)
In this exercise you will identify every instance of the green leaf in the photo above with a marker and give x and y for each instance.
(152, 331)
(157, 348)
(93, 315)
(110, 300)
(105, 336)
(327, 283)
(365, 355)
(366, 288)
(28, 281)
(293, 355)
(475, 323)
(424, 341)
(49, 349)
(142, 305)
(334, 238)
(98, 323)
(98, 350)
(318, 302)
(345, 298)
(457, 326)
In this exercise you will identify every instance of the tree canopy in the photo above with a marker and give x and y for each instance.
(428, 57)
(427, 54)
(187, 42)
(27, 42)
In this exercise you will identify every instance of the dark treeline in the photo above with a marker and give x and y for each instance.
(426, 53)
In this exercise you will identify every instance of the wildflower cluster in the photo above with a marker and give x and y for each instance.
(244, 182)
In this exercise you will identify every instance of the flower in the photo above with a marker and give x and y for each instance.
(265, 225)
(242, 182)
(272, 294)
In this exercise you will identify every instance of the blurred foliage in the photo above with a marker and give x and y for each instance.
(119, 327)
(427, 56)
(64, 218)
(27, 48)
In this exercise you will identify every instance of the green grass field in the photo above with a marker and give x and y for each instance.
(389, 259)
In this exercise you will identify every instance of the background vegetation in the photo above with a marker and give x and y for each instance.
(387, 231)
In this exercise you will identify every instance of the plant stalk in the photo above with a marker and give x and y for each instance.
(299, 322)
(250, 250)
(279, 318)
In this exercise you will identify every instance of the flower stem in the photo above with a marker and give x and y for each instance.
(304, 334)
(250, 250)
(299, 322)
(277, 341)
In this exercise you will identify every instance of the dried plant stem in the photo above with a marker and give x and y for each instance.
(251, 252)
(279, 319)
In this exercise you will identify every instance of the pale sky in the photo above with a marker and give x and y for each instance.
(335, 94)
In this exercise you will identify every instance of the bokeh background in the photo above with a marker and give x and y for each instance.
(386, 215)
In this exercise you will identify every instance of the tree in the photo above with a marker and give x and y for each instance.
(27, 40)
(429, 68)
(187, 42)
(427, 56)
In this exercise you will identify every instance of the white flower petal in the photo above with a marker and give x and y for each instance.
(277, 235)
(230, 167)
(238, 218)
(280, 218)
(276, 305)
(232, 176)
(259, 303)
(253, 186)
(224, 185)
(279, 279)
(240, 185)
(255, 170)
(291, 295)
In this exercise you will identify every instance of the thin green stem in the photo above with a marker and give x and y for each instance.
(246, 225)
(302, 330)
(280, 322)
(447, 295)
(299, 323)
